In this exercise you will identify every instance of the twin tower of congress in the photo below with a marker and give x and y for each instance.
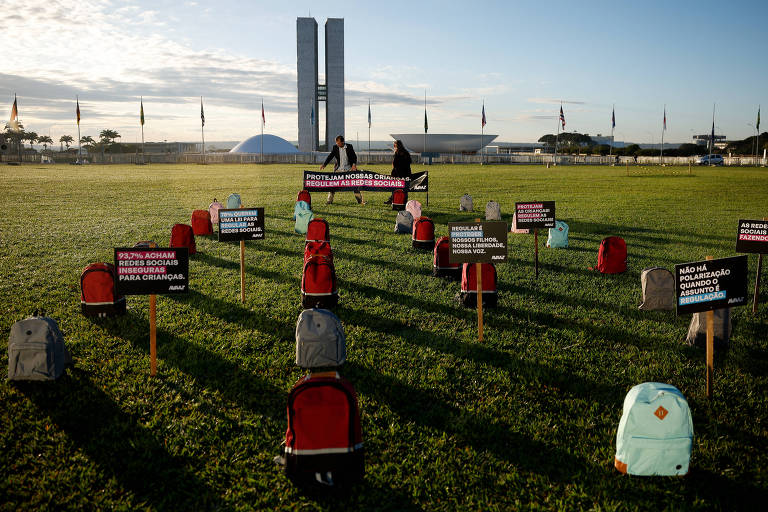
(310, 91)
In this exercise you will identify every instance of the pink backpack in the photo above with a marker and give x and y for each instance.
(213, 209)
(414, 207)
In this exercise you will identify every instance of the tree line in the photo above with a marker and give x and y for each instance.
(106, 143)
(578, 143)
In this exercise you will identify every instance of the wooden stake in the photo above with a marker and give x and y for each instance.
(536, 250)
(153, 335)
(242, 271)
(479, 270)
(710, 350)
(757, 279)
(689, 168)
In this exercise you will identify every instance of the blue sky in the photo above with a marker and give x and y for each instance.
(521, 58)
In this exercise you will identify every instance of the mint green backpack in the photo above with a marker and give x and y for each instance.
(558, 235)
(233, 201)
(302, 221)
(655, 433)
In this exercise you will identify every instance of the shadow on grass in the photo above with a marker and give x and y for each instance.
(648, 234)
(122, 449)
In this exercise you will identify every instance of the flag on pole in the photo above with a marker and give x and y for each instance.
(613, 118)
(426, 124)
(369, 113)
(482, 122)
(757, 125)
(665, 118)
(202, 113)
(77, 111)
(141, 112)
(263, 119)
(14, 121)
(713, 135)
(562, 117)
(312, 116)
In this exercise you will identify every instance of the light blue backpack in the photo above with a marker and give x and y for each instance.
(301, 206)
(233, 201)
(655, 433)
(558, 235)
(302, 221)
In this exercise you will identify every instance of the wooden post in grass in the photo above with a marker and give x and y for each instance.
(242, 271)
(627, 164)
(689, 168)
(710, 349)
(153, 335)
(536, 251)
(479, 272)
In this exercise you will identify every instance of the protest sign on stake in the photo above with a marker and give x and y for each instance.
(753, 238)
(241, 224)
(477, 242)
(142, 271)
(535, 215)
(708, 285)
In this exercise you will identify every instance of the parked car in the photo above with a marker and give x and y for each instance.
(710, 160)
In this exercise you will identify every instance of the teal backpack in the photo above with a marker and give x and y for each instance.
(558, 235)
(233, 201)
(302, 220)
(301, 206)
(655, 433)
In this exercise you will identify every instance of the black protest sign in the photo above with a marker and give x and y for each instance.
(752, 236)
(535, 214)
(477, 242)
(241, 224)
(363, 180)
(152, 271)
(711, 284)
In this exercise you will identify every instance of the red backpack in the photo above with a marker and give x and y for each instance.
(398, 199)
(318, 249)
(440, 265)
(318, 284)
(182, 235)
(317, 230)
(612, 256)
(201, 223)
(324, 440)
(423, 233)
(304, 195)
(98, 291)
(468, 293)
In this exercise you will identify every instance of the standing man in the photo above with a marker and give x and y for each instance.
(346, 160)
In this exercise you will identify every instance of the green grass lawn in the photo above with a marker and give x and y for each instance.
(526, 419)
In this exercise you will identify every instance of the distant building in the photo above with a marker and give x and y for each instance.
(272, 145)
(310, 91)
(703, 140)
(444, 142)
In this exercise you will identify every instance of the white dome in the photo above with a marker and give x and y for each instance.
(272, 145)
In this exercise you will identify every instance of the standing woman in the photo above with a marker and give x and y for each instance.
(401, 165)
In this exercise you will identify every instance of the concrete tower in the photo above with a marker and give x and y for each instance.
(310, 92)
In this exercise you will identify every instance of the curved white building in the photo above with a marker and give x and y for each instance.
(444, 142)
(273, 145)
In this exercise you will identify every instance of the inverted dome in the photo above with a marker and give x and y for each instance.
(272, 145)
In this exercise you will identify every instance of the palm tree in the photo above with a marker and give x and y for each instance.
(87, 140)
(45, 140)
(107, 137)
(31, 137)
(66, 140)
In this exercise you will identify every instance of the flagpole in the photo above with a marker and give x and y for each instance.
(425, 125)
(554, 161)
(143, 154)
(712, 143)
(663, 129)
(482, 134)
(757, 131)
(79, 142)
(262, 130)
(202, 126)
(613, 125)
(369, 131)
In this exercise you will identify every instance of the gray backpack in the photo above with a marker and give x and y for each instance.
(697, 330)
(404, 222)
(36, 350)
(492, 211)
(320, 341)
(465, 203)
(658, 286)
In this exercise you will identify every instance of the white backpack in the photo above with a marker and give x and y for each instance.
(465, 203)
(320, 340)
(36, 350)
(658, 286)
(492, 211)
(655, 433)
(404, 222)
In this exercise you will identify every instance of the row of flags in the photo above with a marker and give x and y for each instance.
(14, 120)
